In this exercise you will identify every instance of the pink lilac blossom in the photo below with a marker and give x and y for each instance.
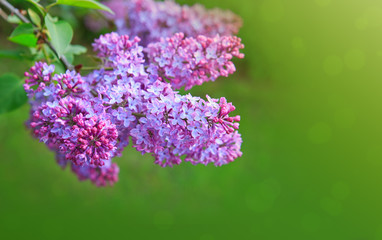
(67, 125)
(191, 61)
(88, 120)
(151, 20)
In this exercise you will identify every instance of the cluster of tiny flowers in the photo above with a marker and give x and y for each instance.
(89, 120)
(158, 119)
(186, 62)
(70, 123)
(151, 20)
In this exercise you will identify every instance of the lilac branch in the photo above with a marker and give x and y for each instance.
(15, 11)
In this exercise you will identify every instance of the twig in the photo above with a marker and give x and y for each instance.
(3, 14)
(138, 115)
(96, 68)
(15, 11)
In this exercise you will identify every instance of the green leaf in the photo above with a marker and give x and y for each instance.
(85, 4)
(13, 19)
(61, 34)
(37, 7)
(24, 35)
(34, 17)
(74, 50)
(12, 94)
(59, 68)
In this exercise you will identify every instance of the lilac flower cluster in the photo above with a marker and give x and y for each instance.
(192, 61)
(89, 120)
(151, 20)
(71, 124)
(158, 119)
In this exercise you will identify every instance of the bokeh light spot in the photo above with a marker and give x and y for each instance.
(374, 154)
(333, 65)
(355, 59)
(310, 222)
(378, 233)
(345, 117)
(207, 237)
(262, 196)
(331, 206)
(272, 10)
(263, 161)
(163, 220)
(323, 3)
(361, 23)
(319, 133)
(340, 190)
(371, 18)
(298, 46)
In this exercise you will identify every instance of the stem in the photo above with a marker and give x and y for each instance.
(15, 11)
(50, 5)
(96, 68)
(139, 115)
(3, 14)
(46, 54)
(63, 59)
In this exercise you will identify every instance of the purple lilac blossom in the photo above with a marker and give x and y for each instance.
(107, 175)
(159, 120)
(191, 61)
(68, 121)
(70, 125)
(151, 20)
(88, 120)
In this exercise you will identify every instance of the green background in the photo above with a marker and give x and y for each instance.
(309, 95)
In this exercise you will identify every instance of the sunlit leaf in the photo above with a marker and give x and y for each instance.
(13, 19)
(86, 4)
(74, 50)
(37, 7)
(34, 17)
(24, 35)
(61, 34)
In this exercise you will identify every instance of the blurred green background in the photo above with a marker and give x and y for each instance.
(309, 94)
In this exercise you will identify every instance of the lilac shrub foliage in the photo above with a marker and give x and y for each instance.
(88, 120)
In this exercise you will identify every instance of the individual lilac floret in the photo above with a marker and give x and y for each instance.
(191, 61)
(151, 20)
(223, 118)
